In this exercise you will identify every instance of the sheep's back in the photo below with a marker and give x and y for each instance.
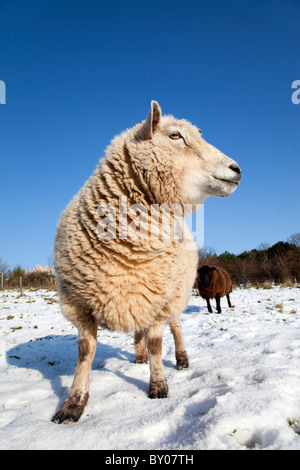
(226, 281)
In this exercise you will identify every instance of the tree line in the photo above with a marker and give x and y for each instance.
(279, 263)
(36, 278)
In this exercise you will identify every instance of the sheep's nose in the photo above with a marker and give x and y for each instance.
(236, 168)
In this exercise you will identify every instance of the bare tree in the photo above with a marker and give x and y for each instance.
(3, 266)
(294, 239)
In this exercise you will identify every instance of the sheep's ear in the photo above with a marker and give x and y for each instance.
(148, 128)
(155, 114)
(213, 268)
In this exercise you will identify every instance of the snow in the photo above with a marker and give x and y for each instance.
(241, 391)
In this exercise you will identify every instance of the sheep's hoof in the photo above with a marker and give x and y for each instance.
(182, 361)
(182, 365)
(158, 389)
(141, 360)
(65, 417)
(71, 409)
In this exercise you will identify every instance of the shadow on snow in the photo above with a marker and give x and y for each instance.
(56, 355)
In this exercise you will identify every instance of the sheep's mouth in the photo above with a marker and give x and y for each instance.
(236, 183)
(223, 187)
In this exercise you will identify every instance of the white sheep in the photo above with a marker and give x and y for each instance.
(122, 279)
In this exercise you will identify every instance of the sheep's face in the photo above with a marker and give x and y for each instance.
(205, 274)
(178, 164)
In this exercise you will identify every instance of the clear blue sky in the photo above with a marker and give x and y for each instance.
(77, 72)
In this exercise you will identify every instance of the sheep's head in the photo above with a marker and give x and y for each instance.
(205, 274)
(177, 164)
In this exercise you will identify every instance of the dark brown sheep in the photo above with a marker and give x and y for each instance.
(214, 283)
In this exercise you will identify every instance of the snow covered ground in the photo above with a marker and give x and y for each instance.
(241, 391)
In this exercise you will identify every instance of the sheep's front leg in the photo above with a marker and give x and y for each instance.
(208, 305)
(158, 387)
(73, 407)
(182, 360)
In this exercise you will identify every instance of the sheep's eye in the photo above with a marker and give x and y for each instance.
(175, 136)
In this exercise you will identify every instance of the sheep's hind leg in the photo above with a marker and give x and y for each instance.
(73, 407)
(182, 360)
(218, 301)
(140, 347)
(228, 300)
(158, 387)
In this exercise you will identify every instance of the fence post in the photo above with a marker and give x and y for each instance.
(1, 274)
(21, 285)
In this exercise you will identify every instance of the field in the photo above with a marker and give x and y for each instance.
(241, 391)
